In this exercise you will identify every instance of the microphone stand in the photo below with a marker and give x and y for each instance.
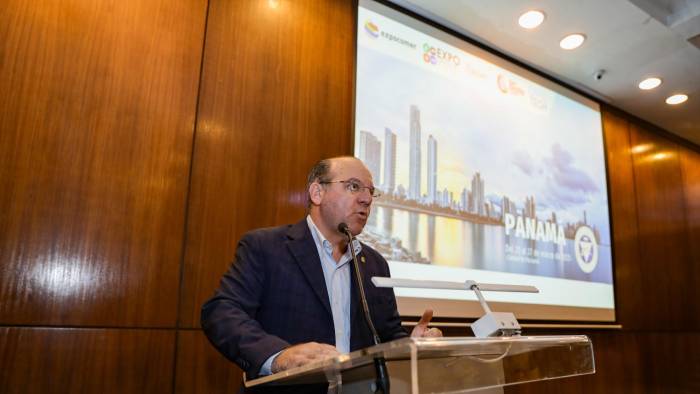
(382, 385)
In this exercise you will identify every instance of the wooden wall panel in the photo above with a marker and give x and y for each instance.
(96, 117)
(277, 93)
(690, 166)
(58, 360)
(668, 280)
(671, 362)
(201, 368)
(623, 211)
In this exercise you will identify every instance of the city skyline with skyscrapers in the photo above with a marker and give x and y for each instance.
(471, 205)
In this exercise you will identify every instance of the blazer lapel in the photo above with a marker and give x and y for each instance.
(302, 246)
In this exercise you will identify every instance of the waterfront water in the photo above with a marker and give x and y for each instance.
(459, 243)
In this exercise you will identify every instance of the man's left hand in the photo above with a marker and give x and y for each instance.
(421, 329)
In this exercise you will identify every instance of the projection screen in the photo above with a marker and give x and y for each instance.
(488, 172)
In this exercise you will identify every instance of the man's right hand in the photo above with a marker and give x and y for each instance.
(304, 353)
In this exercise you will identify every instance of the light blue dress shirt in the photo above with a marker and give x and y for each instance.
(337, 277)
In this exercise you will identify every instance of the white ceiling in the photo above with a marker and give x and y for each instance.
(629, 39)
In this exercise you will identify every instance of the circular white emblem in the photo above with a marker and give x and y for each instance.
(586, 249)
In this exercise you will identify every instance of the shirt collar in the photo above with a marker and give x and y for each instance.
(326, 244)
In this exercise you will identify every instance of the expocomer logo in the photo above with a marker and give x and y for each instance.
(586, 249)
(371, 29)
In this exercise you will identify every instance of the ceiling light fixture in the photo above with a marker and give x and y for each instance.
(660, 156)
(531, 19)
(572, 41)
(676, 99)
(641, 148)
(650, 83)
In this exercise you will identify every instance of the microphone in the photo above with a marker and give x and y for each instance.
(343, 228)
(382, 382)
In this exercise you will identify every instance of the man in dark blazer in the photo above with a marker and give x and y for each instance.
(272, 310)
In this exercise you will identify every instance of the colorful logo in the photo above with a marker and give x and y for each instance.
(433, 55)
(371, 29)
(586, 249)
(506, 86)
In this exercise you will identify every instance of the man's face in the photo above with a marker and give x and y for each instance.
(338, 203)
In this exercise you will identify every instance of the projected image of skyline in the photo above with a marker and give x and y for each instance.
(470, 203)
(480, 168)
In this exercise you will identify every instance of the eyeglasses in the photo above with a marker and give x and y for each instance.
(354, 187)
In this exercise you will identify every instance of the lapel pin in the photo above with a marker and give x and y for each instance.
(362, 259)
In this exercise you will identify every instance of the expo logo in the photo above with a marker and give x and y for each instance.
(433, 55)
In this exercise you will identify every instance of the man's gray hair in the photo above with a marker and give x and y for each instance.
(319, 173)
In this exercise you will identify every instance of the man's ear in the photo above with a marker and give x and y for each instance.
(316, 193)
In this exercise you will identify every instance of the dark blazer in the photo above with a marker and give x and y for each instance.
(274, 295)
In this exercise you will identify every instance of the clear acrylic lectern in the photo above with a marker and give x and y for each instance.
(448, 365)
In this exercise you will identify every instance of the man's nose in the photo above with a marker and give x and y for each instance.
(365, 197)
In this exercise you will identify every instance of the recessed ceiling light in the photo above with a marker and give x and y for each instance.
(531, 19)
(641, 148)
(650, 83)
(572, 41)
(661, 156)
(676, 99)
